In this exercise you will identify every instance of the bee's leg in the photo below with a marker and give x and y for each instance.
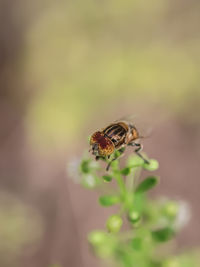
(97, 157)
(137, 151)
(108, 166)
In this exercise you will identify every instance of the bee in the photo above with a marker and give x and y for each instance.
(116, 136)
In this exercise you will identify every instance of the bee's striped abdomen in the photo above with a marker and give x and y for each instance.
(116, 133)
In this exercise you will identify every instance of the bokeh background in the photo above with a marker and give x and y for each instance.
(68, 68)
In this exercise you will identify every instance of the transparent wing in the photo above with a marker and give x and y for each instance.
(142, 124)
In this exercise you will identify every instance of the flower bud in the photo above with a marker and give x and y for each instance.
(134, 216)
(114, 223)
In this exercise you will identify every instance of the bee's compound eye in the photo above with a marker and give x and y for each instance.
(95, 138)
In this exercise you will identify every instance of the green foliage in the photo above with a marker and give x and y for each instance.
(126, 171)
(151, 222)
(147, 184)
(85, 166)
(105, 245)
(108, 200)
(163, 235)
(136, 243)
(107, 178)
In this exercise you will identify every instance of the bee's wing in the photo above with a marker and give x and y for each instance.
(143, 126)
(145, 129)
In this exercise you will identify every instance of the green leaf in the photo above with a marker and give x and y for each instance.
(163, 235)
(152, 165)
(114, 223)
(126, 171)
(108, 200)
(136, 243)
(85, 166)
(147, 184)
(107, 178)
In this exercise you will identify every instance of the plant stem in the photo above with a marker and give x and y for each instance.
(130, 180)
(120, 182)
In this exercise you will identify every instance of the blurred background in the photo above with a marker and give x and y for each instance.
(68, 68)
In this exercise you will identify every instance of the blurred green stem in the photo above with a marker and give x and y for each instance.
(120, 182)
(130, 181)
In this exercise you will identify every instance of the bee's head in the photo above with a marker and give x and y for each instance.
(101, 145)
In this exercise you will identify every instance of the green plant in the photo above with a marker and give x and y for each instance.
(152, 224)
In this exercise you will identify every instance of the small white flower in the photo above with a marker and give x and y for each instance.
(183, 216)
(73, 169)
(89, 180)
